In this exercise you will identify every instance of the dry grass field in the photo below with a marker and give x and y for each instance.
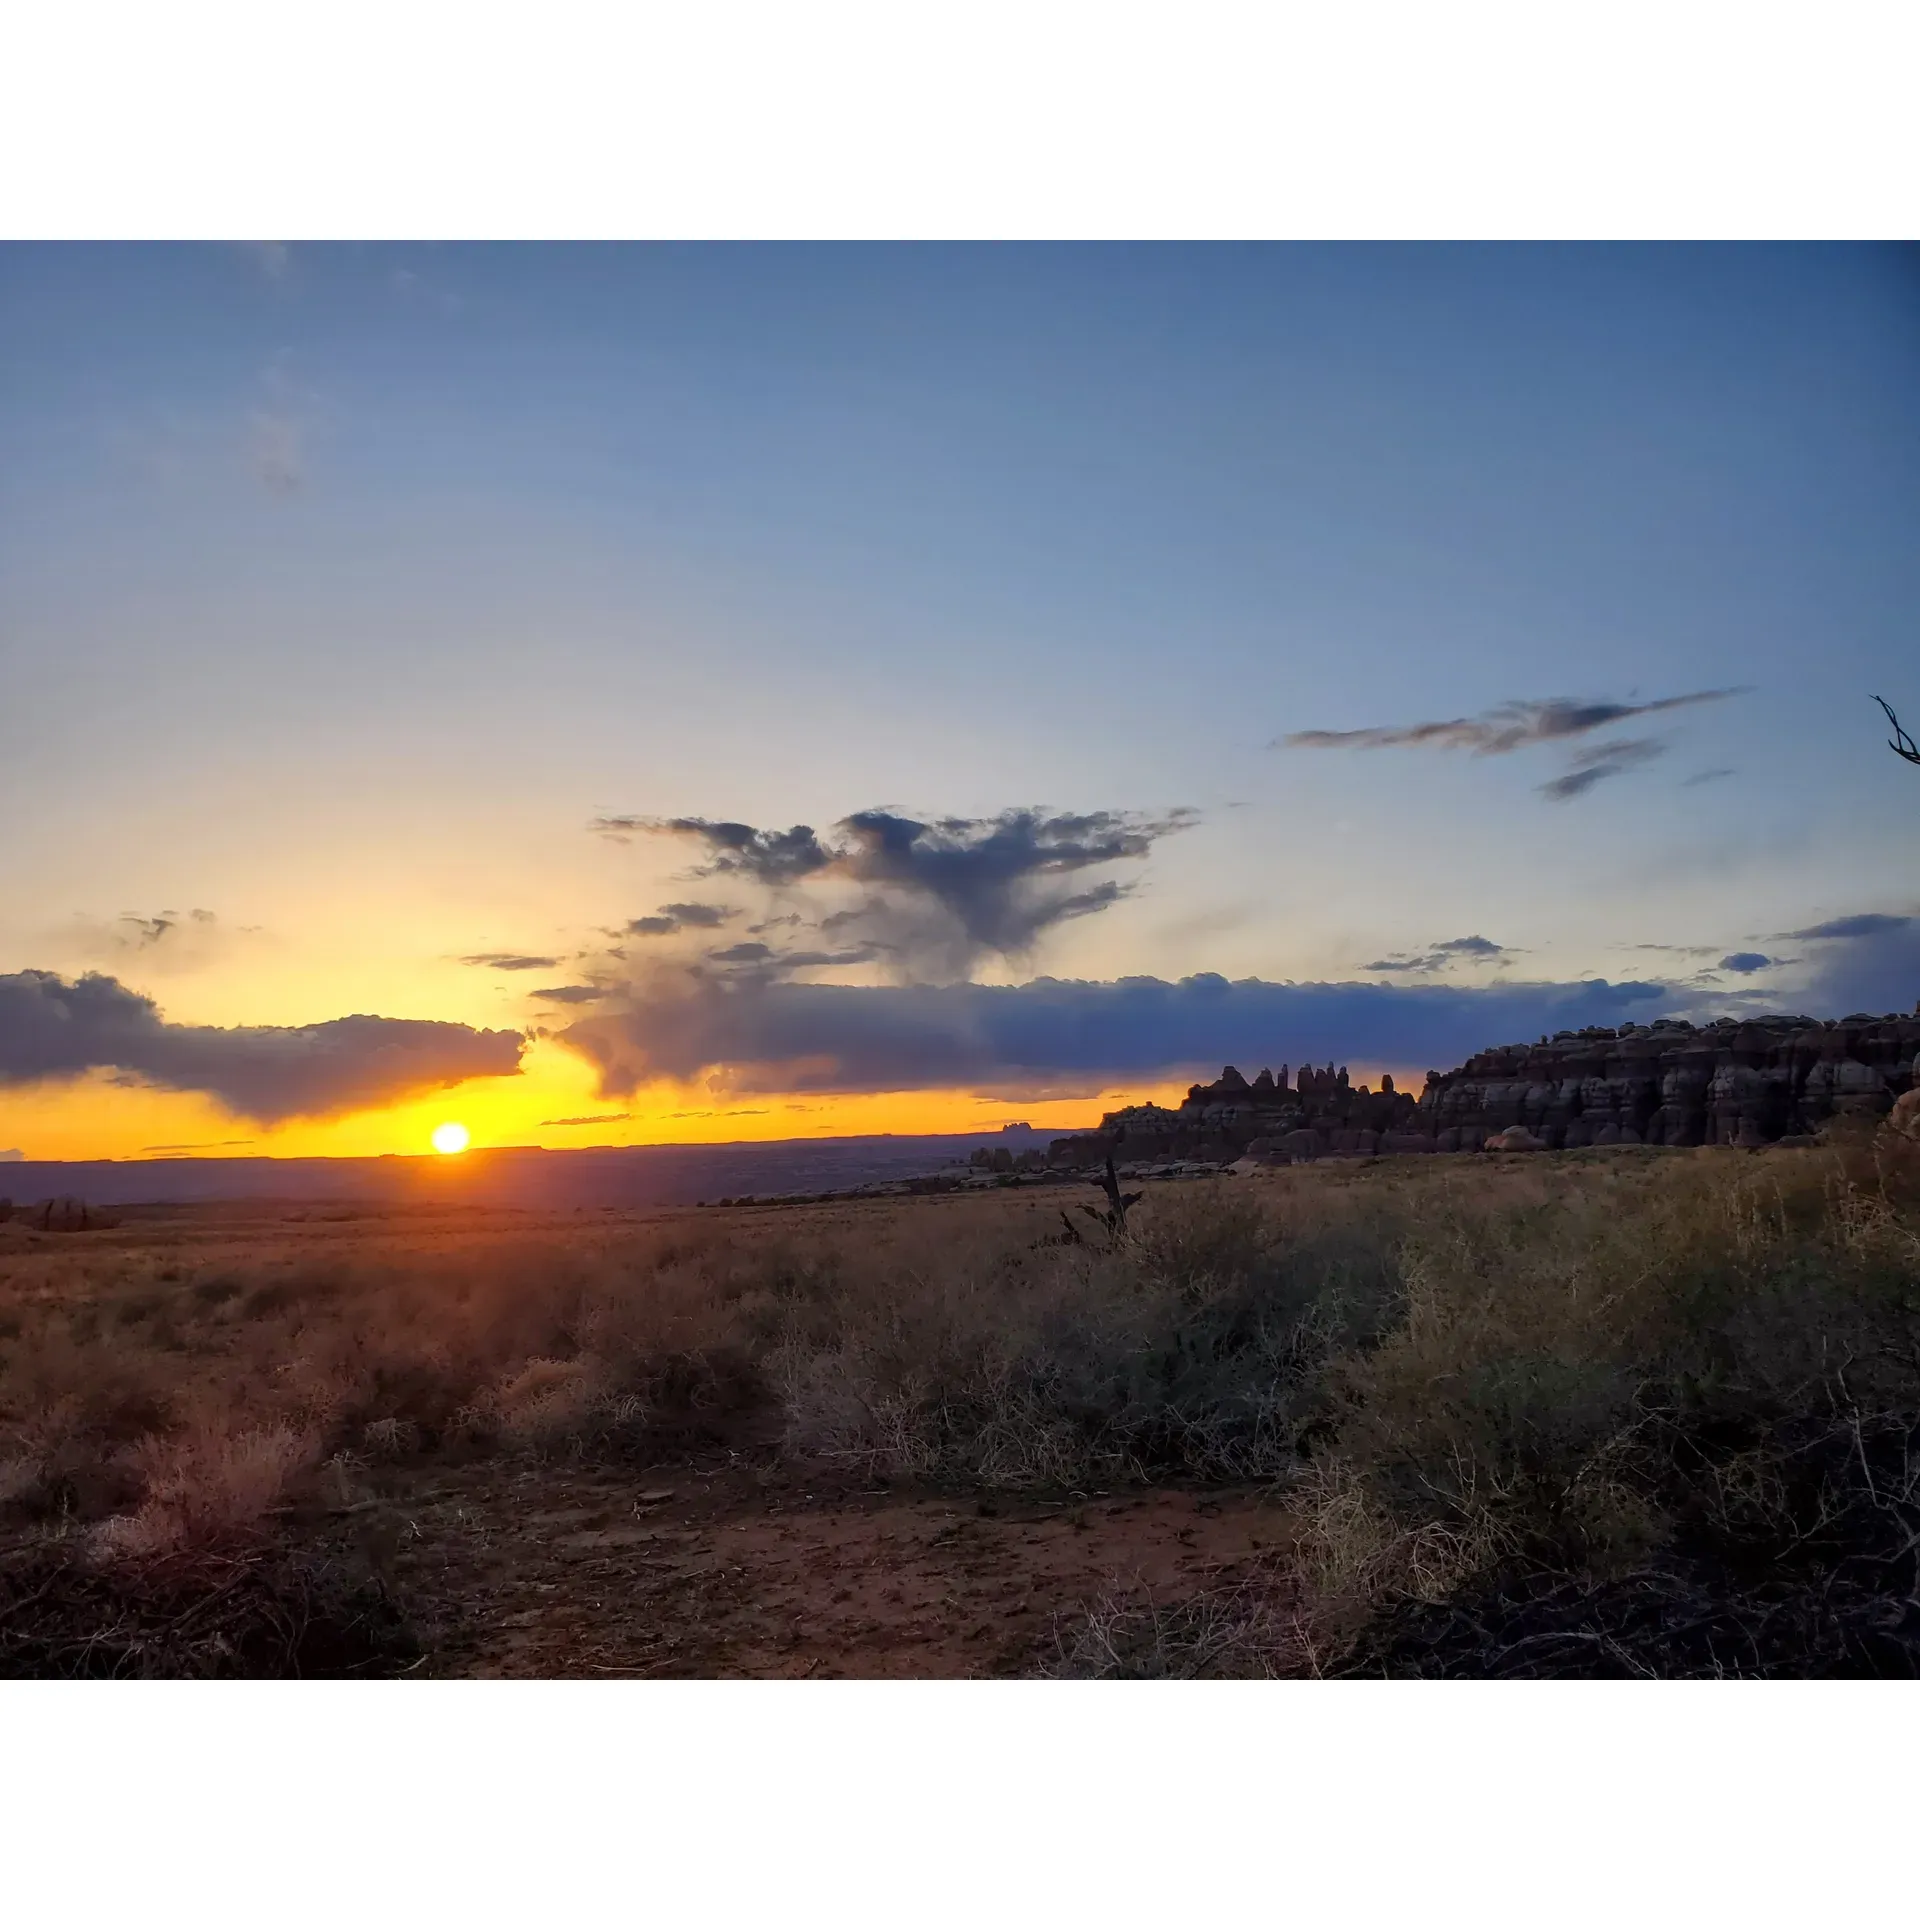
(1610, 1412)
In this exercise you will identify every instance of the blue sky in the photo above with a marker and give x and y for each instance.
(341, 588)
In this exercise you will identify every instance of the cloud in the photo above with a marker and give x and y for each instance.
(1712, 773)
(1507, 728)
(168, 942)
(678, 915)
(416, 290)
(1852, 926)
(750, 1034)
(273, 258)
(1745, 963)
(12, 1153)
(278, 426)
(276, 449)
(774, 859)
(198, 1146)
(933, 897)
(1859, 963)
(509, 962)
(588, 1120)
(1595, 764)
(149, 933)
(1872, 972)
(568, 996)
(52, 1029)
(1441, 954)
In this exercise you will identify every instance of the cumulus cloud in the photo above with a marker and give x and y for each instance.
(53, 1029)
(1745, 963)
(752, 1034)
(1507, 728)
(12, 1153)
(510, 962)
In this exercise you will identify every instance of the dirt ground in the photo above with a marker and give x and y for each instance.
(594, 1572)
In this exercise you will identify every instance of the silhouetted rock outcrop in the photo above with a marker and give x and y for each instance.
(1229, 1117)
(1733, 1083)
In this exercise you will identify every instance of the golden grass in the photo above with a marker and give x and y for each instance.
(1456, 1371)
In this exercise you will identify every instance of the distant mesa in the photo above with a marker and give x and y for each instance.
(1776, 1079)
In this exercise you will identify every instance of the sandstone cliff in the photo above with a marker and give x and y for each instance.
(1734, 1083)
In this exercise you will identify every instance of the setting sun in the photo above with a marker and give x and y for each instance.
(450, 1138)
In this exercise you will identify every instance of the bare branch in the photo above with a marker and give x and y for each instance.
(1902, 742)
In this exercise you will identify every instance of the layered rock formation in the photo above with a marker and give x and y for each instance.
(1274, 1114)
(1734, 1083)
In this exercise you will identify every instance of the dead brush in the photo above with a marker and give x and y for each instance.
(1247, 1630)
(266, 1612)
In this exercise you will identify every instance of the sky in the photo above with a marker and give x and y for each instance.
(614, 694)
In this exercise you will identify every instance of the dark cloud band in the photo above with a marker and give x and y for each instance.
(53, 1029)
(794, 1037)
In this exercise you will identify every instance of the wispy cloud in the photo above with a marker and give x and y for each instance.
(276, 449)
(415, 289)
(1472, 948)
(588, 1120)
(678, 915)
(1595, 764)
(1711, 773)
(1507, 728)
(164, 943)
(1851, 926)
(510, 962)
(273, 259)
(279, 427)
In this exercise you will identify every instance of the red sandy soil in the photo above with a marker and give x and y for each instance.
(588, 1571)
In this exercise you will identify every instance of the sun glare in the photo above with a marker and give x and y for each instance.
(451, 1137)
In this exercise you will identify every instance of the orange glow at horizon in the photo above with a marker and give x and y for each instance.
(552, 1103)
